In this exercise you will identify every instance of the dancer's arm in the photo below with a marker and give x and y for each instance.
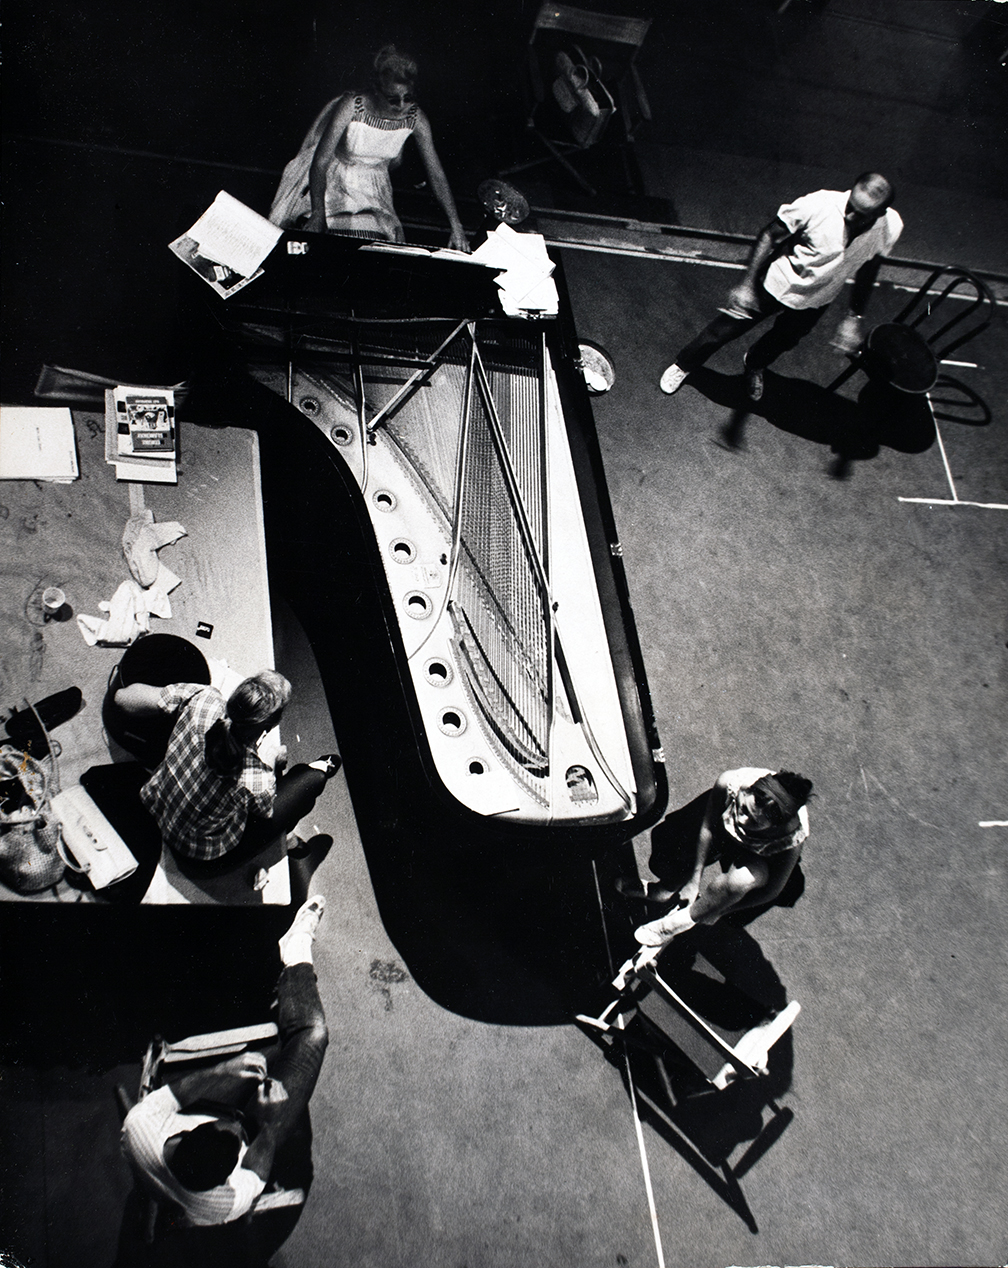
(439, 182)
(771, 241)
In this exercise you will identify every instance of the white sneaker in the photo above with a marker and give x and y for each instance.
(656, 933)
(673, 379)
(296, 944)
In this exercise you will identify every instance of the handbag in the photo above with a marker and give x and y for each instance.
(30, 855)
(100, 852)
(581, 96)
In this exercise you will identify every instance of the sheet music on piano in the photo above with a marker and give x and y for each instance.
(227, 245)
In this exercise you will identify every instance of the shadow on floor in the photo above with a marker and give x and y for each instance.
(510, 938)
(99, 982)
(243, 1244)
(853, 430)
(703, 1125)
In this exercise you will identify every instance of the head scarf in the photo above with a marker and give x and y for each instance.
(776, 836)
(772, 788)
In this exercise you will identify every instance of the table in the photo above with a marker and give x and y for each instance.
(70, 535)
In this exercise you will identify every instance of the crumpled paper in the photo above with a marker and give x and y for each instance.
(129, 611)
(141, 541)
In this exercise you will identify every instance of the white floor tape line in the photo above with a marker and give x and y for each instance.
(638, 1127)
(955, 499)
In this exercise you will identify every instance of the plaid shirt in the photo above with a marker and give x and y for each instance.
(201, 814)
(152, 1122)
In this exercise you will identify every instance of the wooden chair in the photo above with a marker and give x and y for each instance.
(164, 1061)
(905, 352)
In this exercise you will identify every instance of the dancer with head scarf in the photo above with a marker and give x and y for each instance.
(754, 822)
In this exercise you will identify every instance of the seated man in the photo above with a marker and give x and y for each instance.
(750, 838)
(207, 1142)
(213, 797)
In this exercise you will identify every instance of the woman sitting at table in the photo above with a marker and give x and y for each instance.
(213, 796)
(339, 180)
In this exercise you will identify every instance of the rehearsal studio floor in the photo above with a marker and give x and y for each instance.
(786, 615)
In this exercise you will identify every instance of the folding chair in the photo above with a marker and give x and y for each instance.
(612, 41)
(580, 64)
(647, 1011)
(709, 1040)
(164, 1061)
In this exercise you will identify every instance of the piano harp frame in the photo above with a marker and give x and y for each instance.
(337, 360)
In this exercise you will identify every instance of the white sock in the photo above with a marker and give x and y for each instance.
(297, 949)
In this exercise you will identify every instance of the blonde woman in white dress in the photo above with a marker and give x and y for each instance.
(339, 180)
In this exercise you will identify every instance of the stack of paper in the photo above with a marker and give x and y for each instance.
(37, 443)
(526, 285)
(227, 245)
(131, 415)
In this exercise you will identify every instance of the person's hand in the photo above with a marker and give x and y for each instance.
(246, 1066)
(647, 958)
(743, 300)
(269, 1100)
(689, 893)
(849, 336)
(458, 241)
(280, 762)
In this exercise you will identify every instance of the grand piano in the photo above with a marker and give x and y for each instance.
(437, 517)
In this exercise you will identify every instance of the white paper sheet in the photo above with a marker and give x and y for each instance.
(234, 235)
(37, 443)
(526, 284)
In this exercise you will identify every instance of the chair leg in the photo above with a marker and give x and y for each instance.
(124, 1102)
(149, 1226)
(554, 153)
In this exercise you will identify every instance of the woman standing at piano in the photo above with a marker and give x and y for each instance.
(339, 181)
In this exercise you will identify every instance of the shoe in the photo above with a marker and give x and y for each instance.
(754, 384)
(673, 379)
(328, 764)
(297, 941)
(652, 892)
(657, 932)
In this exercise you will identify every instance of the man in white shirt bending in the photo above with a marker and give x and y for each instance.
(801, 261)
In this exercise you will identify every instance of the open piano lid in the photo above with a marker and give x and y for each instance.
(467, 443)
